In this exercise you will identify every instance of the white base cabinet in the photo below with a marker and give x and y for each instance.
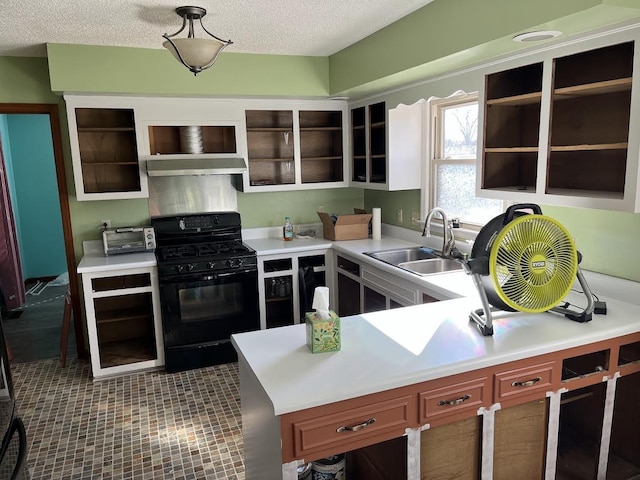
(286, 284)
(123, 321)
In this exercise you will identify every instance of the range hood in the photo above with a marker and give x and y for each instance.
(171, 167)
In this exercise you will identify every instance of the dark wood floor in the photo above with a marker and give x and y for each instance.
(33, 330)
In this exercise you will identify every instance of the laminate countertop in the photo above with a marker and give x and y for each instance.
(399, 347)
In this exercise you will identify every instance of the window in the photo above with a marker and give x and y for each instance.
(452, 162)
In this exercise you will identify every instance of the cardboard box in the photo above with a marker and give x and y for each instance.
(347, 227)
(323, 335)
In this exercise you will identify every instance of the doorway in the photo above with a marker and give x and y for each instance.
(51, 111)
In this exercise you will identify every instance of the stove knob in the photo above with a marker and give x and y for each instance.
(180, 268)
(190, 267)
(211, 265)
(239, 262)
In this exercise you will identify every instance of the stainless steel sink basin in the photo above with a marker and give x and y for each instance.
(403, 255)
(431, 266)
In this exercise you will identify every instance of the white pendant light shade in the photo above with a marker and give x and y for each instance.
(196, 54)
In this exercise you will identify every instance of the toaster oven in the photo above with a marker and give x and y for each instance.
(128, 240)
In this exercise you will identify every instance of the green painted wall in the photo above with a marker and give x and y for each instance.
(446, 35)
(269, 209)
(25, 80)
(84, 68)
(608, 241)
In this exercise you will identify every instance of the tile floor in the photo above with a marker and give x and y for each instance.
(150, 425)
(142, 426)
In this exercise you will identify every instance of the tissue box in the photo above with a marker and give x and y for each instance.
(323, 335)
(347, 227)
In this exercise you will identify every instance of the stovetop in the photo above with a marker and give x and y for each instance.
(201, 243)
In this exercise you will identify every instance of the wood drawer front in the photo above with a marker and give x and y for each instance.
(321, 434)
(460, 399)
(522, 382)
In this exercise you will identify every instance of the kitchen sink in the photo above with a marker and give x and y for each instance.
(431, 266)
(403, 255)
(418, 260)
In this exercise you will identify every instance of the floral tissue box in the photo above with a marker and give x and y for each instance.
(323, 335)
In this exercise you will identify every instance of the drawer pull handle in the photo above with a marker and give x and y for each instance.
(457, 401)
(528, 383)
(355, 428)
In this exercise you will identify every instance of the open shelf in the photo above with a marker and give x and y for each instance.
(597, 88)
(517, 100)
(510, 170)
(166, 139)
(108, 150)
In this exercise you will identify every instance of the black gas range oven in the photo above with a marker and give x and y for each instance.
(208, 283)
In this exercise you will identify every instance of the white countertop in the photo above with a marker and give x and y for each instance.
(394, 348)
(277, 246)
(98, 262)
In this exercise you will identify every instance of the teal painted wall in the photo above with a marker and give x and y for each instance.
(36, 196)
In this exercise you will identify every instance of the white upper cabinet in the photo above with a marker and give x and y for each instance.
(387, 146)
(563, 130)
(105, 153)
(295, 145)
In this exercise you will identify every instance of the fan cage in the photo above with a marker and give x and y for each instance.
(533, 263)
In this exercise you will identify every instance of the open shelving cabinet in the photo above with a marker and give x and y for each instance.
(270, 144)
(108, 151)
(561, 131)
(298, 148)
(369, 144)
(590, 111)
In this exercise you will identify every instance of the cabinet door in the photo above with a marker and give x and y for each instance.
(105, 153)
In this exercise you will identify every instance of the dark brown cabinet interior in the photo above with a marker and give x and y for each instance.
(272, 144)
(589, 125)
(165, 140)
(108, 151)
(369, 143)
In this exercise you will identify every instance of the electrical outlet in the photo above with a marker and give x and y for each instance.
(105, 223)
(415, 218)
(399, 215)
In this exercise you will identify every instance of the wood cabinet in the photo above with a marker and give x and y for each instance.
(286, 285)
(387, 146)
(298, 145)
(562, 130)
(104, 149)
(577, 421)
(123, 321)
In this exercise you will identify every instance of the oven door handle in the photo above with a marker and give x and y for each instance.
(235, 272)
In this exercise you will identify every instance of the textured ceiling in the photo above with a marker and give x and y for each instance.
(288, 27)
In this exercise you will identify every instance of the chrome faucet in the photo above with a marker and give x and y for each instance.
(448, 240)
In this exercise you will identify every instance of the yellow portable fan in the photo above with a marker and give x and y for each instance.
(525, 262)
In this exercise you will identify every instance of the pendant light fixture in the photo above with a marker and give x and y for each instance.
(196, 54)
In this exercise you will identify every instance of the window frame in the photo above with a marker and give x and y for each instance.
(435, 155)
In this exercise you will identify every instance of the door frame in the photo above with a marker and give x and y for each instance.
(63, 192)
